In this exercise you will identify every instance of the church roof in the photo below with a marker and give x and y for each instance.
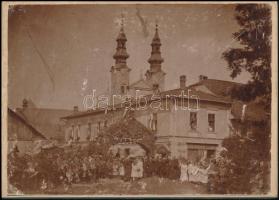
(121, 35)
(156, 58)
(141, 83)
(156, 39)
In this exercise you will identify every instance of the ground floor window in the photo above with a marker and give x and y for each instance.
(195, 155)
(210, 153)
(198, 152)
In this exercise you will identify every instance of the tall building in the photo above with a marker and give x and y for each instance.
(155, 76)
(185, 132)
(120, 71)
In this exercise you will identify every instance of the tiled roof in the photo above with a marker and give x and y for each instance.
(141, 82)
(254, 110)
(133, 129)
(218, 87)
(201, 95)
(46, 121)
(36, 133)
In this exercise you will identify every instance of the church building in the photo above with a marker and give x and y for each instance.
(192, 132)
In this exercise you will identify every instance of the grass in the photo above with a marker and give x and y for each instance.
(146, 186)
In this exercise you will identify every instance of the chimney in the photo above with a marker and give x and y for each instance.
(24, 103)
(182, 79)
(75, 109)
(202, 77)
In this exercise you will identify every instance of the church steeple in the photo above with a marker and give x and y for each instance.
(120, 71)
(156, 59)
(155, 76)
(121, 54)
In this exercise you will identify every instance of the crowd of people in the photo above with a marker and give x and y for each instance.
(50, 168)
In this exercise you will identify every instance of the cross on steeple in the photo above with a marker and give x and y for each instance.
(155, 75)
(156, 24)
(120, 71)
(155, 59)
(122, 20)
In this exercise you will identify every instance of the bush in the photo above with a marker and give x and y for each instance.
(243, 167)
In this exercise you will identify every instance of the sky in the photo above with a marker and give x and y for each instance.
(59, 53)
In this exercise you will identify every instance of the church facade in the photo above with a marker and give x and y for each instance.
(191, 127)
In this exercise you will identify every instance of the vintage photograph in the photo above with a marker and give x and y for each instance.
(139, 99)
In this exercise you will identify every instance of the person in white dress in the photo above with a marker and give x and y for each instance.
(184, 171)
(137, 169)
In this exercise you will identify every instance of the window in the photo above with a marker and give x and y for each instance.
(72, 135)
(210, 154)
(195, 155)
(211, 122)
(99, 126)
(89, 132)
(105, 123)
(193, 120)
(122, 89)
(78, 132)
(154, 122)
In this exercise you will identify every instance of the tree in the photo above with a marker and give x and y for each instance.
(255, 55)
(244, 167)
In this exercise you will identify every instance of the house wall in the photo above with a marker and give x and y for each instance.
(180, 122)
(178, 136)
(23, 146)
(80, 125)
(21, 135)
(18, 130)
(173, 125)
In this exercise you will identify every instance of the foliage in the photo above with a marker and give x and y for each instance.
(244, 167)
(45, 170)
(254, 56)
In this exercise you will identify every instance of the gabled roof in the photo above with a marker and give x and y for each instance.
(251, 111)
(141, 83)
(192, 93)
(37, 134)
(218, 87)
(129, 127)
(46, 121)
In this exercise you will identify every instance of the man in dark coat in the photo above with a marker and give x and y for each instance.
(127, 162)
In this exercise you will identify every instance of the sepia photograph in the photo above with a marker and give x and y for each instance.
(124, 99)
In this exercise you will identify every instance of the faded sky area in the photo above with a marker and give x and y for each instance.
(55, 51)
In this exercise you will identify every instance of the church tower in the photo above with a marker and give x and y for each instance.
(155, 76)
(120, 71)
